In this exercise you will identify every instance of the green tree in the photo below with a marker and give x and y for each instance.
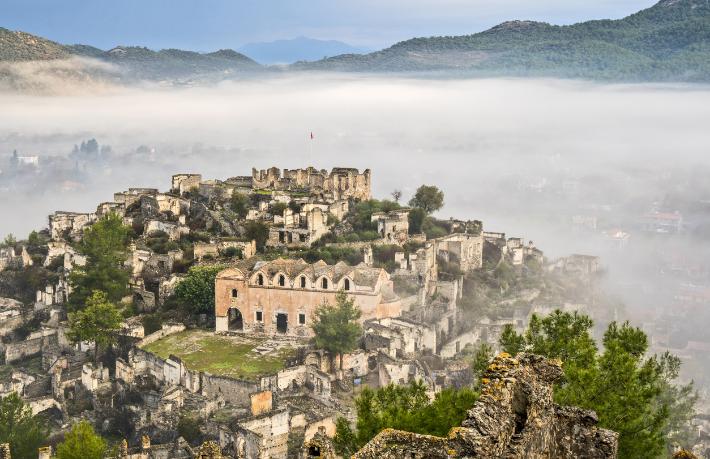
(231, 252)
(195, 293)
(510, 341)
(429, 198)
(9, 241)
(278, 208)
(239, 203)
(189, 428)
(82, 443)
(681, 400)
(151, 323)
(18, 427)
(105, 246)
(33, 238)
(479, 358)
(99, 322)
(409, 408)
(335, 326)
(258, 232)
(631, 393)
(416, 220)
(345, 442)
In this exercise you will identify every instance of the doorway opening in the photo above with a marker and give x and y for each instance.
(281, 322)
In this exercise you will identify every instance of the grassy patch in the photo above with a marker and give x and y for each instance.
(221, 355)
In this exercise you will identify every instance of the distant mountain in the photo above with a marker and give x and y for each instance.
(297, 49)
(128, 62)
(21, 46)
(144, 63)
(669, 41)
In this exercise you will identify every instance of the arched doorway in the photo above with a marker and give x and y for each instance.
(281, 322)
(236, 321)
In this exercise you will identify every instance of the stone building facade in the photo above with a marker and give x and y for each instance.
(281, 296)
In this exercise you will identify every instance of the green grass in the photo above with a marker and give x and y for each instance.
(221, 355)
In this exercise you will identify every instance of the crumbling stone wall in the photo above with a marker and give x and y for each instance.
(182, 183)
(340, 183)
(515, 417)
(69, 224)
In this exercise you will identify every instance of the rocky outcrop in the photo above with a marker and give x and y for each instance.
(515, 417)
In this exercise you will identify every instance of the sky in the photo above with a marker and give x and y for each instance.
(206, 25)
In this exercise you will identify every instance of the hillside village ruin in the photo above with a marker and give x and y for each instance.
(409, 288)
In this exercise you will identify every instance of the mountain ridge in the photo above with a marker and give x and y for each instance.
(296, 49)
(670, 41)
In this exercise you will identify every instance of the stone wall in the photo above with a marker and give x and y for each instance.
(515, 417)
(27, 348)
(234, 391)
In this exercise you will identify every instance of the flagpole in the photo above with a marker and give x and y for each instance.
(310, 149)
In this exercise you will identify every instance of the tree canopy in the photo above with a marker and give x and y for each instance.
(18, 427)
(105, 246)
(335, 326)
(404, 407)
(429, 198)
(632, 394)
(258, 232)
(239, 203)
(99, 322)
(82, 443)
(195, 292)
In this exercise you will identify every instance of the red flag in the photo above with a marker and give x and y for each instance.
(311, 135)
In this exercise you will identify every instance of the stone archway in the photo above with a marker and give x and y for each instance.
(235, 320)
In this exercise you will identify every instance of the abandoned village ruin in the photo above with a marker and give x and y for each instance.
(407, 286)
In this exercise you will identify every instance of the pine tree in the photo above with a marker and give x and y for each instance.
(105, 246)
(82, 443)
(336, 328)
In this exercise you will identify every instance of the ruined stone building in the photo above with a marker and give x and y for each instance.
(281, 296)
(515, 417)
(465, 251)
(182, 183)
(393, 226)
(299, 229)
(340, 183)
(63, 225)
(9, 258)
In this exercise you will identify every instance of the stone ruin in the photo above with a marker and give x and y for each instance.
(340, 183)
(515, 417)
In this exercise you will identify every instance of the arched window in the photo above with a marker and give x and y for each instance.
(260, 279)
(324, 283)
(346, 284)
(282, 280)
(303, 281)
(235, 293)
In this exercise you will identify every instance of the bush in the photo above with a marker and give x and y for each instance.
(231, 252)
(278, 208)
(189, 429)
(195, 293)
(152, 323)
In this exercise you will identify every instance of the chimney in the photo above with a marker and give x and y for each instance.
(45, 452)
